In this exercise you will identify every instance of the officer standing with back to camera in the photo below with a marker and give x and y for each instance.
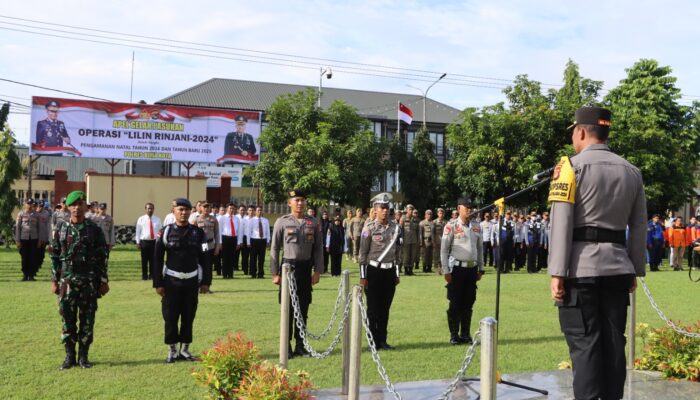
(462, 256)
(27, 239)
(379, 272)
(298, 236)
(596, 197)
(179, 277)
(78, 277)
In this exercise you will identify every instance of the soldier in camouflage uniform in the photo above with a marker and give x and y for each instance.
(438, 227)
(425, 238)
(409, 226)
(78, 277)
(105, 222)
(27, 239)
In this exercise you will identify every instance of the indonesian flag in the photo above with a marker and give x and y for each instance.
(405, 114)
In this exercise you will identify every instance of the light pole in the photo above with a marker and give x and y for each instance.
(425, 95)
(329, 74)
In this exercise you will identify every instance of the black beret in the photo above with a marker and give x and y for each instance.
(465, 201)
(241, 119)
(52, 103)
(592, 116)
(182, 202)
(297, 193)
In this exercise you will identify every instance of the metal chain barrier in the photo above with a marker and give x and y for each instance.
(663, 316)
(465, 365)
(299, 319)
(334, 315)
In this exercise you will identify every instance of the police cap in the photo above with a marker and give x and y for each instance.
(40, 203)
(241, 119)
(296, 193)
(52, 103)
(182, 202)
(103, 206)
(410, 206)
(74, 196)
(29, 201)
(592, 116)
(382, 200)
(465, 201)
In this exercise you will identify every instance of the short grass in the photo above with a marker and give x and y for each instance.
(128, 352)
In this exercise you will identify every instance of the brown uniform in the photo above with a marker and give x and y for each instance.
(438, 228)
(426, 234)
(410, 243)
(27, 231)
(356, 225)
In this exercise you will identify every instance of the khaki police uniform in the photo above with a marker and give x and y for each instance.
(462, 256)
(590, 250)
(426, 233)
(356, 225)
(27, 231)
(44, 236)
(410, 245)
(438, 228)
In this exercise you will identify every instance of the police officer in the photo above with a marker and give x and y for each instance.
(78, 277)
(105, 222)
(210, 226)
(533, 241)
(591, 262)
(179, 278)
(379, 273)
(356, 224)
(655, 242)
(44, 232)
(298, 237)
(438, 227)
(426, 232)
(240, 143)
(27, 239)
(506, 244)
(409, 243)
(51, 132)
(544, 246)
(60, 216)
(462, 257)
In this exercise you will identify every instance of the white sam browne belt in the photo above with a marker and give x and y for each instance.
(381, 265)
(183, 275)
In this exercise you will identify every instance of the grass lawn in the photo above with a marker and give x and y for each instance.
(128, 352)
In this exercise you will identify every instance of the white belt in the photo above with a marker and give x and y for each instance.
(465, 264)
(180, 275)
(381, 265)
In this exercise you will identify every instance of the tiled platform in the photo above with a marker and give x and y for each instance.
(640, 385)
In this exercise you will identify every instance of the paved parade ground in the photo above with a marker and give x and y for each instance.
(128, 352)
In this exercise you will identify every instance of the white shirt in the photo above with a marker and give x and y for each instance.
(244, 224)
(486, 230)
(192, 218)
(143, 227)
(253, 229)
(169, 219)
(225, 225)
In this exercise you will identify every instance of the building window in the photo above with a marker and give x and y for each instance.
(438, 140)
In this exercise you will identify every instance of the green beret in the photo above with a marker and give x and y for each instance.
(75, 196)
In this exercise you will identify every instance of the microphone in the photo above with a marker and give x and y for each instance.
(541, 175)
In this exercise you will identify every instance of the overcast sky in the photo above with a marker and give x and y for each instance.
(482, 43)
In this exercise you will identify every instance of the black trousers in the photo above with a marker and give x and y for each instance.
(656, 254)
(41, 253)
(381, 286)
(542, 255)
(326, 258)
(245, 256)
(336, 263)
(228, 255)
(209, 260)
(461, 293)
(507, 255)
(257, 257)
(532, 251)
(28, 252)
(147, 253)
(179, 303)
(593, 316)
(302, 275)
(488, 254)
(217, 263)
(519, 256)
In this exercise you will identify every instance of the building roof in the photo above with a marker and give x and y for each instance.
(258, 96)
(75, 167)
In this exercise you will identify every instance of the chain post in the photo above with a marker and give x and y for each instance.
(631, 335)
(355, 345)
(489, 332)
(284, 317)
(345, 277)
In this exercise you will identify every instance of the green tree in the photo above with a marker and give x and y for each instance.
(655, 133)
(331, 153)
(419, 173)
(10, 170)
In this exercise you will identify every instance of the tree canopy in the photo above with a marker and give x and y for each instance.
(10, 170)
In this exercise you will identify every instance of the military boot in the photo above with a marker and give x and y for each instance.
(172, 354)
(70, 356)
(465, 322)
(185, 352)
(299, 350)
(453, 324)
(83, 350)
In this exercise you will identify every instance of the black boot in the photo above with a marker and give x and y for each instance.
(453, 324)
(172, 354)
(185, 352)
(465, 322)
(70, 356)
(83, 350)
(299, 350)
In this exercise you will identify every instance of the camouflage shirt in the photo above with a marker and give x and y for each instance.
(78, 251)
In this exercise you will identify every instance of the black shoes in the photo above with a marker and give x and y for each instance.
(454, 340)
(69, 362)
(384, 346)
(172, 354)
(465, 339)
(300, 351)
(83, 356)
(185, 353)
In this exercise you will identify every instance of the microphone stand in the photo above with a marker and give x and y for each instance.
(544, 177)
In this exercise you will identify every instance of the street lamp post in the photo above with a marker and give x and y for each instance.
(329, 74)
(425, 95)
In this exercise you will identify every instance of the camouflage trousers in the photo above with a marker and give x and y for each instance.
(77, 302)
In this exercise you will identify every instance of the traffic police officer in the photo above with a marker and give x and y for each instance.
(27, 239)
(409, 243)
(51, 132)
(298, 236)
(210, 226)
(596, 197)
(379, 273)
(78, 277)
(462, 257)
(240, 143)
(426, 232)
(179, 278)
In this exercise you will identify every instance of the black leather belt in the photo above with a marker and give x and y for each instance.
(599, 235)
